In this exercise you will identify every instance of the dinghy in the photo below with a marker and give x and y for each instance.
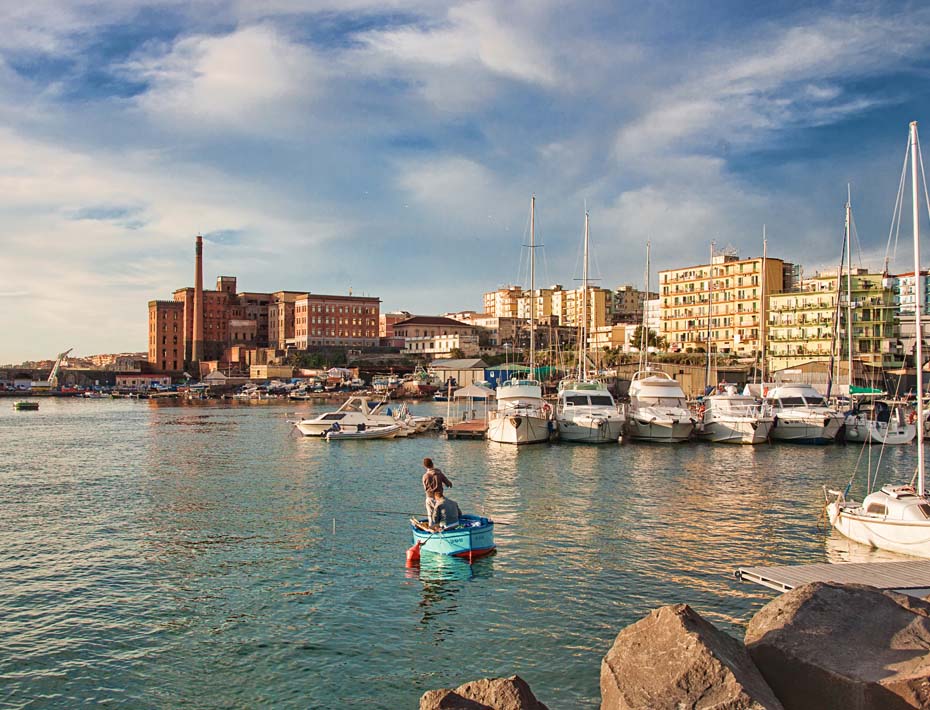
(472, 537)
(388, 431)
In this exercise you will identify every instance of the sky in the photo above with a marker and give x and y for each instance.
(392, 148)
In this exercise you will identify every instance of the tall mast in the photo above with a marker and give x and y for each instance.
(710, 300)
(849, 317)
(763, 310)
(643, 333)
(583, 347)
(533, 287)
(918, 308)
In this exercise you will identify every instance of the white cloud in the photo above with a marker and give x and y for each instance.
(253, 79)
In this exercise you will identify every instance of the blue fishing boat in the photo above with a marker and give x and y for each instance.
(472, 537)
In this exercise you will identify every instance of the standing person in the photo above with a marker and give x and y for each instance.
(433, 481)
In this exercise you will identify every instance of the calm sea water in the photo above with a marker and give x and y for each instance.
(165, 556)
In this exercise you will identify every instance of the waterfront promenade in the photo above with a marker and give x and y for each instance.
(159, 555)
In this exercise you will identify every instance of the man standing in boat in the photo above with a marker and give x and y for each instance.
(433, 481)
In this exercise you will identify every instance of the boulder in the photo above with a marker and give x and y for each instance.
(675, 659)
(511, 693)
(826, 645)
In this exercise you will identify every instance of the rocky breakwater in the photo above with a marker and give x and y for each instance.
(818, 647)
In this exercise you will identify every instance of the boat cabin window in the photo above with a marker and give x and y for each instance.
(335, 415)
(601, 400)
(814, 401)
(877, 509)
(578, 400)
(791, 402)
(669, 402)
(925, 509)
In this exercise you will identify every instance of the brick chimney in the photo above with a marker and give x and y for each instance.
(197, 352)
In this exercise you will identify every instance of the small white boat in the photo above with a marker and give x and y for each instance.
(658, 408)
(355, 411)
(731, 418)
(895, 518)
(802, 415)
(880, 422)
(388, 431)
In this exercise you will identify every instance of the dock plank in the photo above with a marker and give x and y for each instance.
(905, 575)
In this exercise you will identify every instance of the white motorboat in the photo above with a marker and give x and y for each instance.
(586, 412)
(802, 415)
(731, 418)
(895, 518)
(388, 431)
(880, 422)
(355, 411)
(522, 415)
(658, 408)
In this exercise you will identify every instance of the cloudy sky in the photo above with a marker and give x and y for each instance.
(392, 148)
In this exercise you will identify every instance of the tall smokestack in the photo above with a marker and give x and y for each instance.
(197, 352)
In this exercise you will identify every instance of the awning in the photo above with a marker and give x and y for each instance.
(473, 392)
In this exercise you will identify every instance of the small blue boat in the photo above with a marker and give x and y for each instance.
(472, 537)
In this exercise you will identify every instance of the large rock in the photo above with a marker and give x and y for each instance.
(486, 694)
(675, 659)
(844, 646)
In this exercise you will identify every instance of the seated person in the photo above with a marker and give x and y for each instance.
(446, 514)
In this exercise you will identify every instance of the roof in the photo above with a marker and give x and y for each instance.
(431, 320)
(459, 364)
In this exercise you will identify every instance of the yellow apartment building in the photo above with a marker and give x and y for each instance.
(722, 301)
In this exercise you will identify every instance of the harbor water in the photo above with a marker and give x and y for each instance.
(157, 555)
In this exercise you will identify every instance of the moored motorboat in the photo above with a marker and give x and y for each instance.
(731, 418)
(802, 415)
(386, 431)
(355, 411)
(880, 422)
(586, 412)
(658, 408)
(472, 537)
(25, 406)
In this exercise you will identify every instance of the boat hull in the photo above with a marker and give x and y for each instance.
(590, 432)
(823, 431)
(878, 434)
(737, 431)
(660, 431)
(474, 539)
(518, 429)
(908, 538)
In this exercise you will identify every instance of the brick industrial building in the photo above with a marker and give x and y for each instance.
(243, 328)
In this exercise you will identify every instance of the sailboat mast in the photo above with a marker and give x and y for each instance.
(849, 317)
(643, 334)
(710, 300)
(533, 287)
(583, 346)
(918, 309)
(763, 310)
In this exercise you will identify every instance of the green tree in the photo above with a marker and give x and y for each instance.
(653, 340)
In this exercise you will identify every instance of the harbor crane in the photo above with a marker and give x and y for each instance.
(53, 376)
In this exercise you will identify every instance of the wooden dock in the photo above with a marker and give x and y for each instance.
(909, 576)
(469, 429)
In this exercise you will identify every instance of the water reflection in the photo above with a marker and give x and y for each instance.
(442, 577)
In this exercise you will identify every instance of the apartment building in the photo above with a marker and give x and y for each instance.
(720, 303)
(802, 322)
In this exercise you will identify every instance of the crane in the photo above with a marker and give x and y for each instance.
(53, 376)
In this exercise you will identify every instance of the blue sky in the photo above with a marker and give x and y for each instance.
(392, 148)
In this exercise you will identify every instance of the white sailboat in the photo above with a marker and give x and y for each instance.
(586, 411)
(895, 518)
(522, 415)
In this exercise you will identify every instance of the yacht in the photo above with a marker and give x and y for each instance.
(658, 408)
(802, 415)
(731, 418)
(355, 412)
(586, 412)
(522, 415)
(880, 422)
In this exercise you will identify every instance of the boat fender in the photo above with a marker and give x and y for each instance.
(775, 422)
(547, 409)
(550, 425)
(912, 417)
